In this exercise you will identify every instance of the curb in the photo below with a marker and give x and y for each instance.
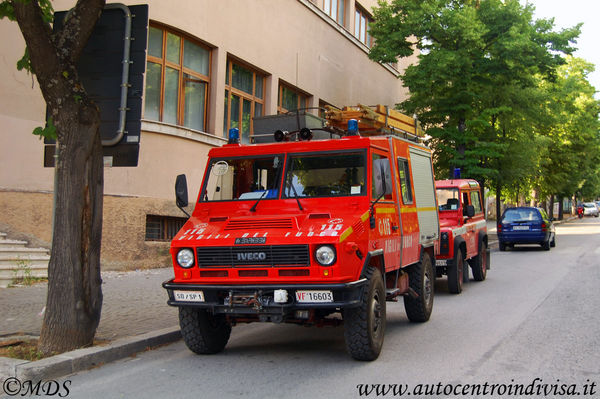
(85, 358)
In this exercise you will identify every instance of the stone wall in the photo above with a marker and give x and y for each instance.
(28, 215)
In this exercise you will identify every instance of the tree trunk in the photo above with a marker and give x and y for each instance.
(551, 207)
(560, 208)
(498, 198)
(74, 297)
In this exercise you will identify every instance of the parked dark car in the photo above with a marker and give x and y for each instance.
(526, 225)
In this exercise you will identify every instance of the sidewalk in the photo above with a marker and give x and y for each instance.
(135, 316)
(134, 303)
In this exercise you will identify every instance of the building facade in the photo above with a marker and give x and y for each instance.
(211, 65)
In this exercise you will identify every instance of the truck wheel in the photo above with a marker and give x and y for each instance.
(364, 326)
(421, 279)
(479, 263)
(203, 332)
(455, 273)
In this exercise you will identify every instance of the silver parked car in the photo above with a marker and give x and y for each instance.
(590, 209)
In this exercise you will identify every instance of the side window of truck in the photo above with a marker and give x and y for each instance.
(405, 184)
(475, 201)
(465, 199)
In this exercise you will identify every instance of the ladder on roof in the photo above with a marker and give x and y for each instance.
(375, 120)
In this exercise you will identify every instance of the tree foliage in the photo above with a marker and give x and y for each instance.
(481, 86)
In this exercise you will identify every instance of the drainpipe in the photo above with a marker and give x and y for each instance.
(124, 75)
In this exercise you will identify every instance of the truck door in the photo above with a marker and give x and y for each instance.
(385, 212)
(424, 186)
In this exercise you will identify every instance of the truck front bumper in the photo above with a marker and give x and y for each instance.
(251, 300)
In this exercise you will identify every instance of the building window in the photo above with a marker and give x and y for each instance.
(177, 79)
(361, 26)
(322, 108)
(335, 9)
(290, 99)
(162, 228)
(244, 99)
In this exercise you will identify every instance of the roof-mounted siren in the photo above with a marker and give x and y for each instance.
(353, 127)
(305, 134)
(234, 136)
(283, 135)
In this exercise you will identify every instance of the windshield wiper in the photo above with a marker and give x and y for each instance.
(253, 209)
(296, 196)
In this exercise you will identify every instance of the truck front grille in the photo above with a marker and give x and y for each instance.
(263, 255)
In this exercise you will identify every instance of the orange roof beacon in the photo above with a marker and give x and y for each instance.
(316, 226)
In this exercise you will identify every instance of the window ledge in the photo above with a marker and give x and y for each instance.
(321, 14)
(182, 132)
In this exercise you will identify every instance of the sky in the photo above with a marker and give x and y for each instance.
(569, 13)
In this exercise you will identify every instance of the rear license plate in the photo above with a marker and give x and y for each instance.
(189, 296)
(314, 296)
(520, 227)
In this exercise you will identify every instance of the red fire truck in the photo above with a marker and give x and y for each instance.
(463, 233)
(313, 232)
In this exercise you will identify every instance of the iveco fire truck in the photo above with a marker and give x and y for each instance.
(310, 231)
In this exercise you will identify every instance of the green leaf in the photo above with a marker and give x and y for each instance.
(7, 10)
(49, 131)
(25, 62)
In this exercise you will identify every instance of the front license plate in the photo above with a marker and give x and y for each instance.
(520, 227)
(189, 296)
(441, 262)
(314, 296)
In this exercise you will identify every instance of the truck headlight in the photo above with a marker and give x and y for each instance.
(325, 255)
(185, 258)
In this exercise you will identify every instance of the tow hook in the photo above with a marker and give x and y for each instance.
(255, 302)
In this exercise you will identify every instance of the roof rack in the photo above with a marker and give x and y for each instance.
(375, 121)
(378, 120)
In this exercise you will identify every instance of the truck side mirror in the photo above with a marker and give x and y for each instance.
(469, 211)
(382, 176)
(181, 192)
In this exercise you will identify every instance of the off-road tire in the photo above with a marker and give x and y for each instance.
(479, 263)
(364, 326)
(203, 332)
(421, 279)
(455, 273)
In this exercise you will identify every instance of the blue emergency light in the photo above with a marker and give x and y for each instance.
(234, 136)
(352, 127)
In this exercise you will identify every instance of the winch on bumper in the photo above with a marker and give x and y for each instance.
(266, 300)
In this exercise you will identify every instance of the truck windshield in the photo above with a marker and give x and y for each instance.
(448, 199)
(248, 178)
(325, 175)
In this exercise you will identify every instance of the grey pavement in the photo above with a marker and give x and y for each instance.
(134, 303)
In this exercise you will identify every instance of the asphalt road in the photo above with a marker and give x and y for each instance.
(534, 321)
